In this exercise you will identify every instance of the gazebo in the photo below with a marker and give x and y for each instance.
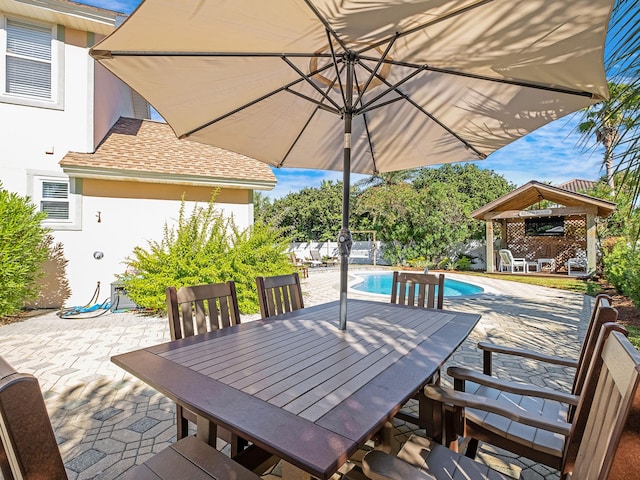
(564, 230)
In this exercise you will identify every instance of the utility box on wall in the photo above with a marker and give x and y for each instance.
(119, 298)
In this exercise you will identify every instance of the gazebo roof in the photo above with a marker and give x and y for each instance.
(532, 192)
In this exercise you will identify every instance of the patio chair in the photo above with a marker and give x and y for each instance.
(430, 294)
(535, 400)
(279, 294)
(430, 289)
(198, 309)
(316, 258)
(298, 265)
(29, 451)
(577, 265)
(589, 444)
(508, 262)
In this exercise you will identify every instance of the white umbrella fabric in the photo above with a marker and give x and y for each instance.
(363, 86)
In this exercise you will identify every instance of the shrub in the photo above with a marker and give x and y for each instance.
(24, 246)
(622, 266)
(206, 247)
(463, 263)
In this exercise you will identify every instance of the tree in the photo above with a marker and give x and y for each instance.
(477, 188)
(606, 119)
(415, 223)
(311, 213)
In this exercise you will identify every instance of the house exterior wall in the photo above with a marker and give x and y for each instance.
(131, 214)
(35, 137)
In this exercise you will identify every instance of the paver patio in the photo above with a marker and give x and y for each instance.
(105, 420)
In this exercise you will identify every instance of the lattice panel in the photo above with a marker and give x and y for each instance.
(559, 248)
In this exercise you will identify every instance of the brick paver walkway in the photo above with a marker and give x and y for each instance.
(105, 420)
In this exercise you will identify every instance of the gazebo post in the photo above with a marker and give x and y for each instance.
(489, 230)
(591, 241)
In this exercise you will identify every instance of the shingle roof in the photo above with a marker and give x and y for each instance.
(145, 149)
(532, 192)
(577, 185)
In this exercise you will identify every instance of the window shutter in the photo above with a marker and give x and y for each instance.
(55, 200)
(28, 69)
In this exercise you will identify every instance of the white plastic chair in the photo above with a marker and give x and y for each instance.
(507, 261)
(578, 264)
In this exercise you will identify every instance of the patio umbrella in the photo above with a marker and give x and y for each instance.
(362, 86)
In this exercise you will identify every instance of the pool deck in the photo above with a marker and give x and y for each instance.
(106, 421)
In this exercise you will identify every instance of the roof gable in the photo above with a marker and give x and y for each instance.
(146, 150)
(532, 192)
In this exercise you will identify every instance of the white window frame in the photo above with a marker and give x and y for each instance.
(74, 199)
(56, 61)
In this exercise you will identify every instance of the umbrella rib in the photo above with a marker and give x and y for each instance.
(335, 63)
(366, 122)
(284, 159)
(319, 106)
(391, 88)
(475, 76)
(251, 103)
(326, 24)
(308, 80)
(377, 67)
(314, 101)
(421, 109)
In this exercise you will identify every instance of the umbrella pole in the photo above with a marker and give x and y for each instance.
(344, 237)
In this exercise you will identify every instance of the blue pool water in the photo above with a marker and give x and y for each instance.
(380, 283)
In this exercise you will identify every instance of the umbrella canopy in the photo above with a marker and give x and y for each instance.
(366, 86)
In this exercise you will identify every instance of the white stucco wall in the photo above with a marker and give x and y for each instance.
(125, 223)
(35, 138)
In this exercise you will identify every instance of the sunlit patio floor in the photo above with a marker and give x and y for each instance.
(106, 421)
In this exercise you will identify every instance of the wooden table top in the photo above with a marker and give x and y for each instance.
(296, 385)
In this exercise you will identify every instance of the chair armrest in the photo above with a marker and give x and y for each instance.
(460, 373)
(467, 400)
(489, 348)
(378, 465)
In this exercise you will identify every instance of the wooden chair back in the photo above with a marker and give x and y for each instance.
(28, 448)
(201, 308)
(279, 294)
(601, 313)
(602, 412)
(430, 289)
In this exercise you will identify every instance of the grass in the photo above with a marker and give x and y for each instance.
(588, 287)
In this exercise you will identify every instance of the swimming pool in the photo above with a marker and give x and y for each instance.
(379, 283)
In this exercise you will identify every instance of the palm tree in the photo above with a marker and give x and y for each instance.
(388, 178)
(606, 119)
(623, 68)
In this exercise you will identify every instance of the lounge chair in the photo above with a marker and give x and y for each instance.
(316, 258)
(508, 262)
(299, 265)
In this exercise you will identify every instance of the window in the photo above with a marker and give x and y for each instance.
(55, 200)
(31, 64)
(59, 197)
(28, 60)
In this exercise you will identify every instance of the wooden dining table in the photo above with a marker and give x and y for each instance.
(297, 386)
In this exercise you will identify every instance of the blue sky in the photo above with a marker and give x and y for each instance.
(552, 153)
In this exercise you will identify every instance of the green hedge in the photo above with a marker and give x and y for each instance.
(206, 247)
(622, 266)
(24, 246)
